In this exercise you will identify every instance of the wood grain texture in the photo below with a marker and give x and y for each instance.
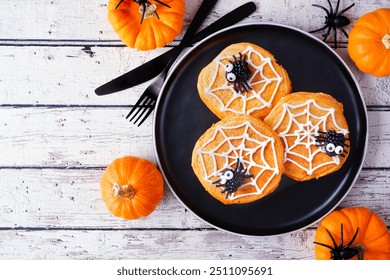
(54, 20)
(57, 136)
(151, 244)
(69, 75)
(55, 199)
(79, 137)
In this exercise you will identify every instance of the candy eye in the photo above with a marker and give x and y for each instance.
(339, 150)
(229, 67)
(330, 148)
(228, 175)
(231, 77)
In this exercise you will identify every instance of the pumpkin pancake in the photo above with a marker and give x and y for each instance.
(244, 79)
(238, 160)
(314, 133)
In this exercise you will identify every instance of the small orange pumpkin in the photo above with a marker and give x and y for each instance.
(369, 43)
(352, 233)
(146, 25)
(132, 187)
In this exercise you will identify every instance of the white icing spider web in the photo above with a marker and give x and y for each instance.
(303, 126)
(233, 146)
(230, 100)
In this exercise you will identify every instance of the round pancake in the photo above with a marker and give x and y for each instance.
(305, 121)
(245, 145)
(268, 82)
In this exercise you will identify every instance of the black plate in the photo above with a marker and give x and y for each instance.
(181, 118)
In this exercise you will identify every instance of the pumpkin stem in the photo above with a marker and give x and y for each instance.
(386, 41)
(147, 11)
(125, 191)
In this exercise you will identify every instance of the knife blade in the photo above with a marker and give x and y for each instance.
(153, 67)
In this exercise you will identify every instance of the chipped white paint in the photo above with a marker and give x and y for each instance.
(56, 137)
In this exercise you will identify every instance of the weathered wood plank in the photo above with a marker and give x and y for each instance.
(60, 198)
(53, 20)
(52, 198)
(93, 136)
(85, 68)
(135, 244)
(70, 137)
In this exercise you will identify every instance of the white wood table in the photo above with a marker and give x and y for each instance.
(57, 137)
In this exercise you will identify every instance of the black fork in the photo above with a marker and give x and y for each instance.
(147, 102)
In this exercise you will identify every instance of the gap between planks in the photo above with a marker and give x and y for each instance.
(95, 43)
(370, 108)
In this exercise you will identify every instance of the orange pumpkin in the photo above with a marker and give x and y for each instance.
(352, 233)
(369, 43)
(146, 25)
(132, 187)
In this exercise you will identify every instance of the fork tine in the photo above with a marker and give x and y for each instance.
(138, 106)
(151, 108)
(147, 107)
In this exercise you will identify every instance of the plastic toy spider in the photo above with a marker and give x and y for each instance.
(333, 142)
(144, 4)
(334, 20)
(232, 179)
(238, 73)
(343, 252)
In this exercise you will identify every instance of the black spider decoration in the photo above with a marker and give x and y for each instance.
(238, 73)
(334, 20)
(144, 4)
(333, 143)
(232, 179)
(343, 252)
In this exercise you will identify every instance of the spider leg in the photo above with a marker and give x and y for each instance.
(235, 87)
(353, 239)
(143, 12)
(155, 12)
(322, 28)
(330, 8)
(331, 237)
(341, 235)
(120, 2)
(325, 36)
(219, 180)
(335, 37)
(162, 3)
(243, 88)
(337, 7)
(346, 9)
(238, 166)
(323, 8)
(248, 86)
(343, 30)
(325, 245)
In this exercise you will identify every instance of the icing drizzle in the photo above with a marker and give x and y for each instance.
(303, 128)
(258, 77)
(243, 147)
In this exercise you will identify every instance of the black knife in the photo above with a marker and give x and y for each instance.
(153, 67)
